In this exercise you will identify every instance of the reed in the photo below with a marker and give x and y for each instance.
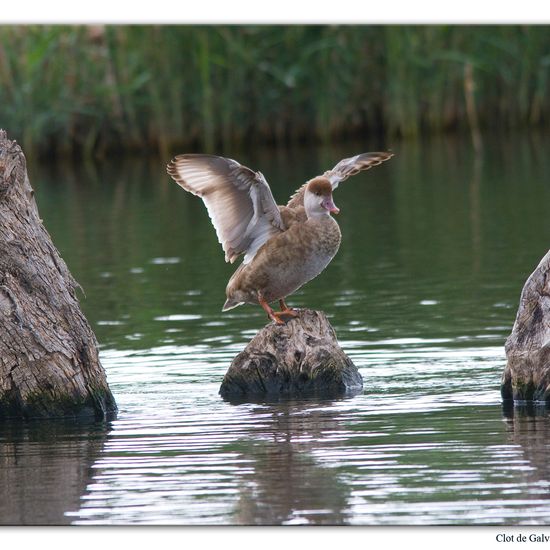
(93, 89)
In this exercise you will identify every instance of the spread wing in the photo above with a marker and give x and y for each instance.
(239, 201)
(343, 170)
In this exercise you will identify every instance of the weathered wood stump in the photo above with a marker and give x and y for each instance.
(299, 358)
(527, 373)
(49, 363)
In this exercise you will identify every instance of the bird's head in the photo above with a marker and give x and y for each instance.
(318, 198)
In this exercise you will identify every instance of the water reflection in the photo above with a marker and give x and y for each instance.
(529, 427)
(422, 296)
(290, 488)
(45, 467)
(249, 465)
(286, 485)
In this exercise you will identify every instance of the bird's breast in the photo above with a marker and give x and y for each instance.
(307, 251)
(321, 243)
(288, 261)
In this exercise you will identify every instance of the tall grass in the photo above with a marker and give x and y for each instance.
(89, 89)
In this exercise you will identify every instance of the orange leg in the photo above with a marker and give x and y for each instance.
(287, 310)
(274, 316)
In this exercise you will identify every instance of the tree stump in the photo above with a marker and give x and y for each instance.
(49, 363)
(527, 373)
(300, 358)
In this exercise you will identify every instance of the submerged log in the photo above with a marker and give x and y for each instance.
(527, 373)
(49, 363)
(299, 358)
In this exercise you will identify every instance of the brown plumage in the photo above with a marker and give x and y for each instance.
(320, 186)
(284, 247)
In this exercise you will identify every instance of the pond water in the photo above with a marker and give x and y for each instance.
(423, 293)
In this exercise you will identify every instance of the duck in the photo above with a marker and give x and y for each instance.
(283, 246)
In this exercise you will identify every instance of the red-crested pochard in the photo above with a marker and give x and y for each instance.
(284, 247)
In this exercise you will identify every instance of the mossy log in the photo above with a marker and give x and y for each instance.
(300, 358)
(527, 373)
(49, 363)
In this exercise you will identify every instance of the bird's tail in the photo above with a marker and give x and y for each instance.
(230, 304)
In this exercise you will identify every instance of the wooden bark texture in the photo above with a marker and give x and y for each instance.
(49, 363)
(300, 358)
(527, 373)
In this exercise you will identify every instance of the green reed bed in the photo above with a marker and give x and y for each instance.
(89, 89)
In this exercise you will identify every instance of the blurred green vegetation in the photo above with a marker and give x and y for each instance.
(89, 89)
